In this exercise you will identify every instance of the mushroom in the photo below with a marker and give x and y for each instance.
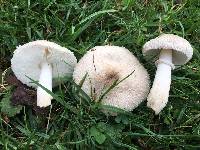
(172, 50)
(104, 65)
(42, 60)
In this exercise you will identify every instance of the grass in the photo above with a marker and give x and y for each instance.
(75, 122)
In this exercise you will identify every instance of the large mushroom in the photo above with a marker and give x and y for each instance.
(104, 65)
(42, 60)
(172, 50)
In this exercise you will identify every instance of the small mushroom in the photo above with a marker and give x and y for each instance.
(172, 50)
(42, 60)
(104, 65)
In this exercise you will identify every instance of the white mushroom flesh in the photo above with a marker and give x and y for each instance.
(159, 93)
(165, 44)
(42, 61)
(44, 98)
(107, 64)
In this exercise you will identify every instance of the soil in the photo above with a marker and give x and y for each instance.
(24, 95)
(21, 94)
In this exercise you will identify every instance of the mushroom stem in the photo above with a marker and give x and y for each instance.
(44, 98)
(159, 93)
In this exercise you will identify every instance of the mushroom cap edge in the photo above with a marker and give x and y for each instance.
(27, 58)
(182, 50)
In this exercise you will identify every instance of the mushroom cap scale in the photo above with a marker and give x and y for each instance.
(182, 51)
(106, 64)
(27, 59)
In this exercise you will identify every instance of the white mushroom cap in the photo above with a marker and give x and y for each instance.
(106, 64)
(27, 59)
(182, 51)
